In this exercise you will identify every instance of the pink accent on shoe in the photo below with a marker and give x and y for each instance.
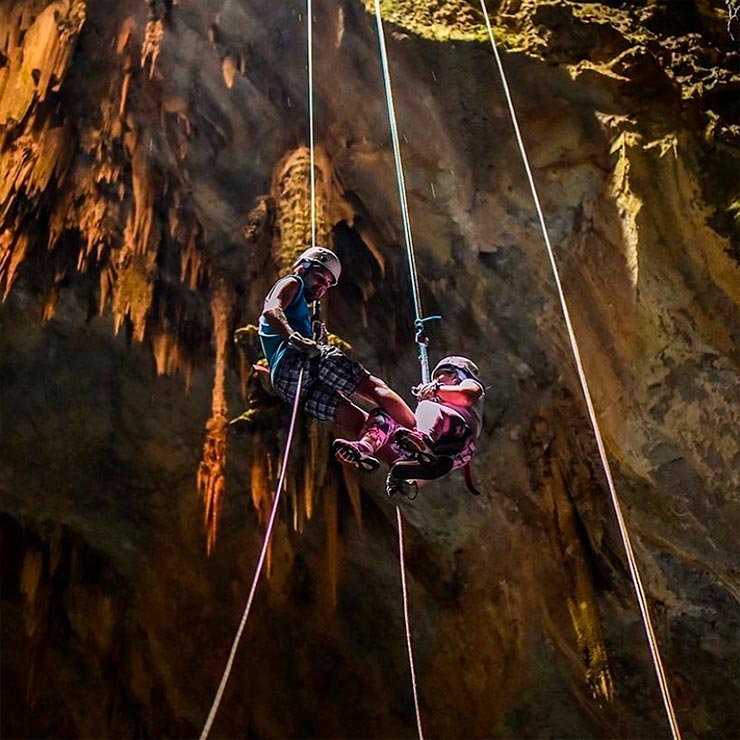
(355, 453)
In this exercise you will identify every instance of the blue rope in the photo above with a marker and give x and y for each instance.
(419, 319)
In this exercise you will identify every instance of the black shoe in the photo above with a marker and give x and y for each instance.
(417, 470)
(415, 444)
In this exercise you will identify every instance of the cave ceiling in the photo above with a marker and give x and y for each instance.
(154, 182)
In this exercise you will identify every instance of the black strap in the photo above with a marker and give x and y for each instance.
(469, 480)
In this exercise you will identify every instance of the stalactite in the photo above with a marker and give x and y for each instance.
(39, 42)
(582, 606)
(260, 480)
(191, 260)
(331, 514)
(134, 263)
(316, 463)
(352, 485)
(36, 598)
(292, 192)
(563, 478)
(52, 297)
(31, 575)
(262, 490)
(211, 476)
(13, 250)
(153, 36)
(169, 357)
(261, 220)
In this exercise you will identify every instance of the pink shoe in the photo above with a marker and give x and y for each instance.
(357, 454)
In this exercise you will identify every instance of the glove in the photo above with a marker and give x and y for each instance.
(320, 332)
(426, 391)
(329, 350)
(303, 345)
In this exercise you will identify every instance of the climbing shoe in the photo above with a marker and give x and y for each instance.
(418, 470)
(357, 454)
(415, 444)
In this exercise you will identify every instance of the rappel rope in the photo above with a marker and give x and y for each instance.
(260, 563)
(419, 320)
(291, 429)
(421, 341)
(309, 12)
(632, 562)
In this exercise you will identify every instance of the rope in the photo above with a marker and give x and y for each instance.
(634, 571)
(408, 623)
(309, 13)
(260, 563)
(291, 429)
(421, 341)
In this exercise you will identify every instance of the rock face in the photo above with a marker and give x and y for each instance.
(155, 183)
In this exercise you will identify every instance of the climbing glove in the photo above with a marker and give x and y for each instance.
(427, 391)
(303, 345)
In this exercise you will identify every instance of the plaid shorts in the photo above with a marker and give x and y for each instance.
(326, 380)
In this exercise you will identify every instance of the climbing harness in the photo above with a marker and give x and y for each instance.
(260, 563)
(631, 560)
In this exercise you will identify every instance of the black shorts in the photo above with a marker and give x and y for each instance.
(326, 380)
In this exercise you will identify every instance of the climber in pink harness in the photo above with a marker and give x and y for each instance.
(449, 419)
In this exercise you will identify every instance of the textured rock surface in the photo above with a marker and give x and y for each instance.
(154, 181)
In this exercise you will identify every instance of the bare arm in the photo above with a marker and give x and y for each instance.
(464, 394)
(273, 310)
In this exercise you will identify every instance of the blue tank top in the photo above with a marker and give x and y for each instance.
(274, 346)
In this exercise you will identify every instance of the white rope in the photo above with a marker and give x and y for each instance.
(631, 560)
(423, 356)
(401, 181)
(408, 622)
(309, 12)
(260, 563)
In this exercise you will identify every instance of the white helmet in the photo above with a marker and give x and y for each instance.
(456, 362)
(321, 257)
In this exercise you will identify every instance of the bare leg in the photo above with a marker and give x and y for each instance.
(376, 391)
(350, 417)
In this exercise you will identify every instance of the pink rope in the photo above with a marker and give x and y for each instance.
(260, 563)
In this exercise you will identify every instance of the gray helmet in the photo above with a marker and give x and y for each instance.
(321, 257)
(456, 362)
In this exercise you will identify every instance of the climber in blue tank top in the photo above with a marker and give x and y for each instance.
(330, 378)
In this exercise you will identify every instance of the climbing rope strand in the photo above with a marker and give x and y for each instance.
(309, 13)
(401, 180)
(407, 622)
(421, 345)
(260, 563)
(634, 571)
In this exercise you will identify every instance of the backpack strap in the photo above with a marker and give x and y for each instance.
(469, 480)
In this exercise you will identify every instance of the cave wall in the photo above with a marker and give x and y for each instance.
(154, 183)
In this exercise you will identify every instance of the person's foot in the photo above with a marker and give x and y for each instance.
(415, 444)
(407, 489)
(357, 454)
